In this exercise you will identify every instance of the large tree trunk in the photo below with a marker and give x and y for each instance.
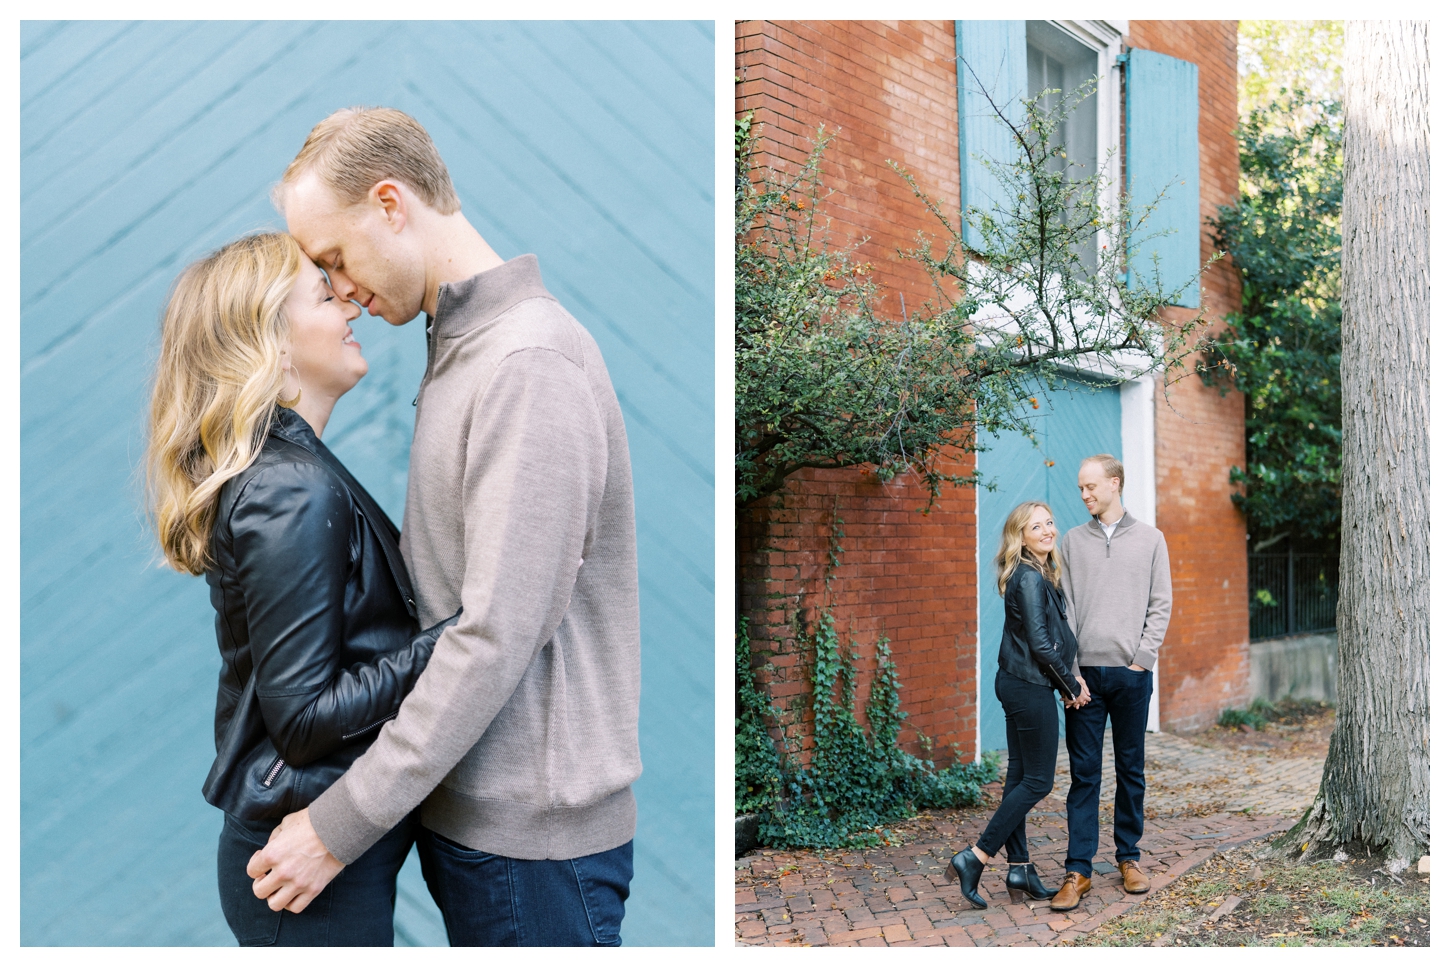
(1376, 786)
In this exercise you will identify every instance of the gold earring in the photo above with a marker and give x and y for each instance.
(288, 404)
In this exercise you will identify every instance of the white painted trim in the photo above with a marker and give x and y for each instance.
(1139, 466)
(977, 651)
(1140, 491)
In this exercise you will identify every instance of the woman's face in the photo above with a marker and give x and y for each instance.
(1040, 534)
(324, 357)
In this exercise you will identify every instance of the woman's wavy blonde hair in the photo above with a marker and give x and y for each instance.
(217, 384)
(1009, 555)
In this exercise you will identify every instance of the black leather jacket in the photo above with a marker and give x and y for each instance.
(1037, 644)
(315, 621)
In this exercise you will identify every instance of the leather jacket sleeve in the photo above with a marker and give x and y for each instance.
(1031, 602)
(292, 529)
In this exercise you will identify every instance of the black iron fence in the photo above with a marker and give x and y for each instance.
(1291, 594)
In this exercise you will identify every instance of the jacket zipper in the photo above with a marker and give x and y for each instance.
(1066, 688)
(353, 735)
(428, 370)
(272, 771)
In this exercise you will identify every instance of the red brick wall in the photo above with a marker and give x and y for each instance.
(1204, 665)
(888, 91)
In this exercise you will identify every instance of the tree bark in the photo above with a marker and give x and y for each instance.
(1376, 786)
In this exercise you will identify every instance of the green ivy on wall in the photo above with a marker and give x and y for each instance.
(856, 778)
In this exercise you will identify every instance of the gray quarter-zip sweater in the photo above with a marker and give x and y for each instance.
(1119, 591)
(521, 736)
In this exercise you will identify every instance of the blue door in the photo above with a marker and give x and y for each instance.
(144, 145)
(1071, 424)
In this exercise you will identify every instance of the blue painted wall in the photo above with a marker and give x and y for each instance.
(1073, 423)
(143, 146)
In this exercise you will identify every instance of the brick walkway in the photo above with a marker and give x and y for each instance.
(1200, 801)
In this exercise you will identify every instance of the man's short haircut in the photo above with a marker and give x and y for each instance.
(355, 148)
(1112, 466)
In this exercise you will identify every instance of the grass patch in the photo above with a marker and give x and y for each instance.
(1269, 903)
(1138, 930)
(1289, 711)
(1284, 904)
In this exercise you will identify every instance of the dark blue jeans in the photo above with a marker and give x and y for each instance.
(1122, 695)
(495, 901)
(1031, 712)
(354, 910)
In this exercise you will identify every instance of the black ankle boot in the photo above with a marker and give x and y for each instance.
(968, 870)
(1022, 881)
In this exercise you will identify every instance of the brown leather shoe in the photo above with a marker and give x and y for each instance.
(1073, 889)
(1134, 879)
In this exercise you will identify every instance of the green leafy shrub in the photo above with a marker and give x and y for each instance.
(960, 784)
(1261, 712)
(1282, 350)
(1236, 718)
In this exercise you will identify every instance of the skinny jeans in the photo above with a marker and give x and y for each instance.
(1031, 711)
(354, 910)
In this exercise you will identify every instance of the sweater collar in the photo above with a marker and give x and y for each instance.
(474, 302)
(1124, 522)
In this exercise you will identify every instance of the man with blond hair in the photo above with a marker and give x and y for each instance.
(519, 744)
(1120, 596)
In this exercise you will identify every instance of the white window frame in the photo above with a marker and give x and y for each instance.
(1106, 36)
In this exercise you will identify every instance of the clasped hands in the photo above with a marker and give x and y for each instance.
(1084, 696)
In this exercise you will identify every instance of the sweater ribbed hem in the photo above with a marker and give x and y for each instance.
(1145, 658)
(525, 831)
(341, 825)
(1114, 659)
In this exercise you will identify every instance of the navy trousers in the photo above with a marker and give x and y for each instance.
(1119, 695)
(495, 901)
(354, 910)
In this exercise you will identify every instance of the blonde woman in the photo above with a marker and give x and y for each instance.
(1038, 654)
(315, 615)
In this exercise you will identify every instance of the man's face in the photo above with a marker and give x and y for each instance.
(1096, 488)
(364, 253)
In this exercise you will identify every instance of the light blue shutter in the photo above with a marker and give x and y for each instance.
(991, 57)
(1163, 153)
